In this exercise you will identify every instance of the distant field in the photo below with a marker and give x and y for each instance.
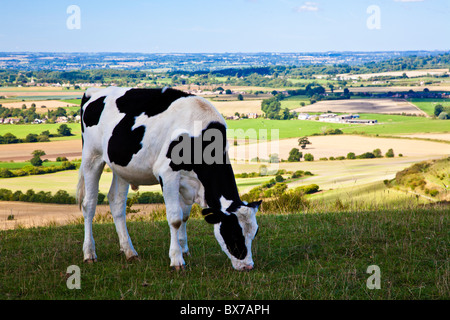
(386, 106)
(427, 105)
(340, 145)
(287, 128)
(42, 106)
(21, 130)
(409, 73)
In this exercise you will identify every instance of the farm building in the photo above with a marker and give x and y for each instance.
(303, 116)
(361, 121)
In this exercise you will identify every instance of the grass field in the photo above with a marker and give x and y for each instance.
(22, 130)
(427, 105)
(325, 257)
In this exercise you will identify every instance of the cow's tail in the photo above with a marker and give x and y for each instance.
(80, 188)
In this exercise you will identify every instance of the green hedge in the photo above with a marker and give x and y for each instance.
(32, 170)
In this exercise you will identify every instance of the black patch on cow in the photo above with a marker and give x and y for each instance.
(125, 142)
(83, 102)
(230, 230)
(93, 112)
(217, 178)
(232, 234)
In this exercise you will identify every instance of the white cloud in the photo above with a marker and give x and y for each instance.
(307, 6)
(409, 0)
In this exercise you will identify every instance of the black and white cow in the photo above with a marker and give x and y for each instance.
(151, 136)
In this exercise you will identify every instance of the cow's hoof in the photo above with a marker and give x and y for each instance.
(90, 260)
(133, 259)
(179, 268)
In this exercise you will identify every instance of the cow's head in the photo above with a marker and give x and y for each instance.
(235, 232)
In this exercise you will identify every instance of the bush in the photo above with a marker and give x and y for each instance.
(5, 173)
(279, 178)
(366, 155)
(64, 130)
(36, 161)
(297, 174)
(309, 157)
(295, 155)
(100, 198)
(443, 116)
(434, 192)
(150, 197)
(351, 155)
(308, 189)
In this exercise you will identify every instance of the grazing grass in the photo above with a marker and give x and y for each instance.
(297, 256)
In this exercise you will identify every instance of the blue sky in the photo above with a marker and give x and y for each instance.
(224, 26)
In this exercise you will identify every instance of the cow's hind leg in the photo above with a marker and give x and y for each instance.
(117, 198)
(174, 216)
(91, 170)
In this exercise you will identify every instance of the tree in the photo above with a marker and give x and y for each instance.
(309, 157)
(31, 137)
(295, 155)
(438, 109)
(64, 130)
(390, 153)
(286, 114)
(303, 142)
(271, 107)
(36, 161)
(240, 97)
(377, 153)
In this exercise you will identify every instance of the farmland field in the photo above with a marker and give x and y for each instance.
(387, 106)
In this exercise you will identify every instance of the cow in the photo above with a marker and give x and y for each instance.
(167, 137)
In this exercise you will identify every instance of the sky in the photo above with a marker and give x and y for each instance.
(214, 26)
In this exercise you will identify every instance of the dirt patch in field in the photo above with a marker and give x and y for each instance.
(39, 214)
(71, 149)
(341, 145)
(41, 106)
(229, 108)
(410, 74)
(385, 106)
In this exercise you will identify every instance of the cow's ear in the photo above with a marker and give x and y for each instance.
(213, 216)
(255, 204)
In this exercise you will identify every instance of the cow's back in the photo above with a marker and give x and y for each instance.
(131, 129)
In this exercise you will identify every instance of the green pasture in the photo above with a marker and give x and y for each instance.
(427, 105)
(325, 256)
(22, 130)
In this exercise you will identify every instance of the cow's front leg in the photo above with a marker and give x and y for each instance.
(174, 215)
(182, 234)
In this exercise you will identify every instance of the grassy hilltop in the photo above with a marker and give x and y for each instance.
(297, 256)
